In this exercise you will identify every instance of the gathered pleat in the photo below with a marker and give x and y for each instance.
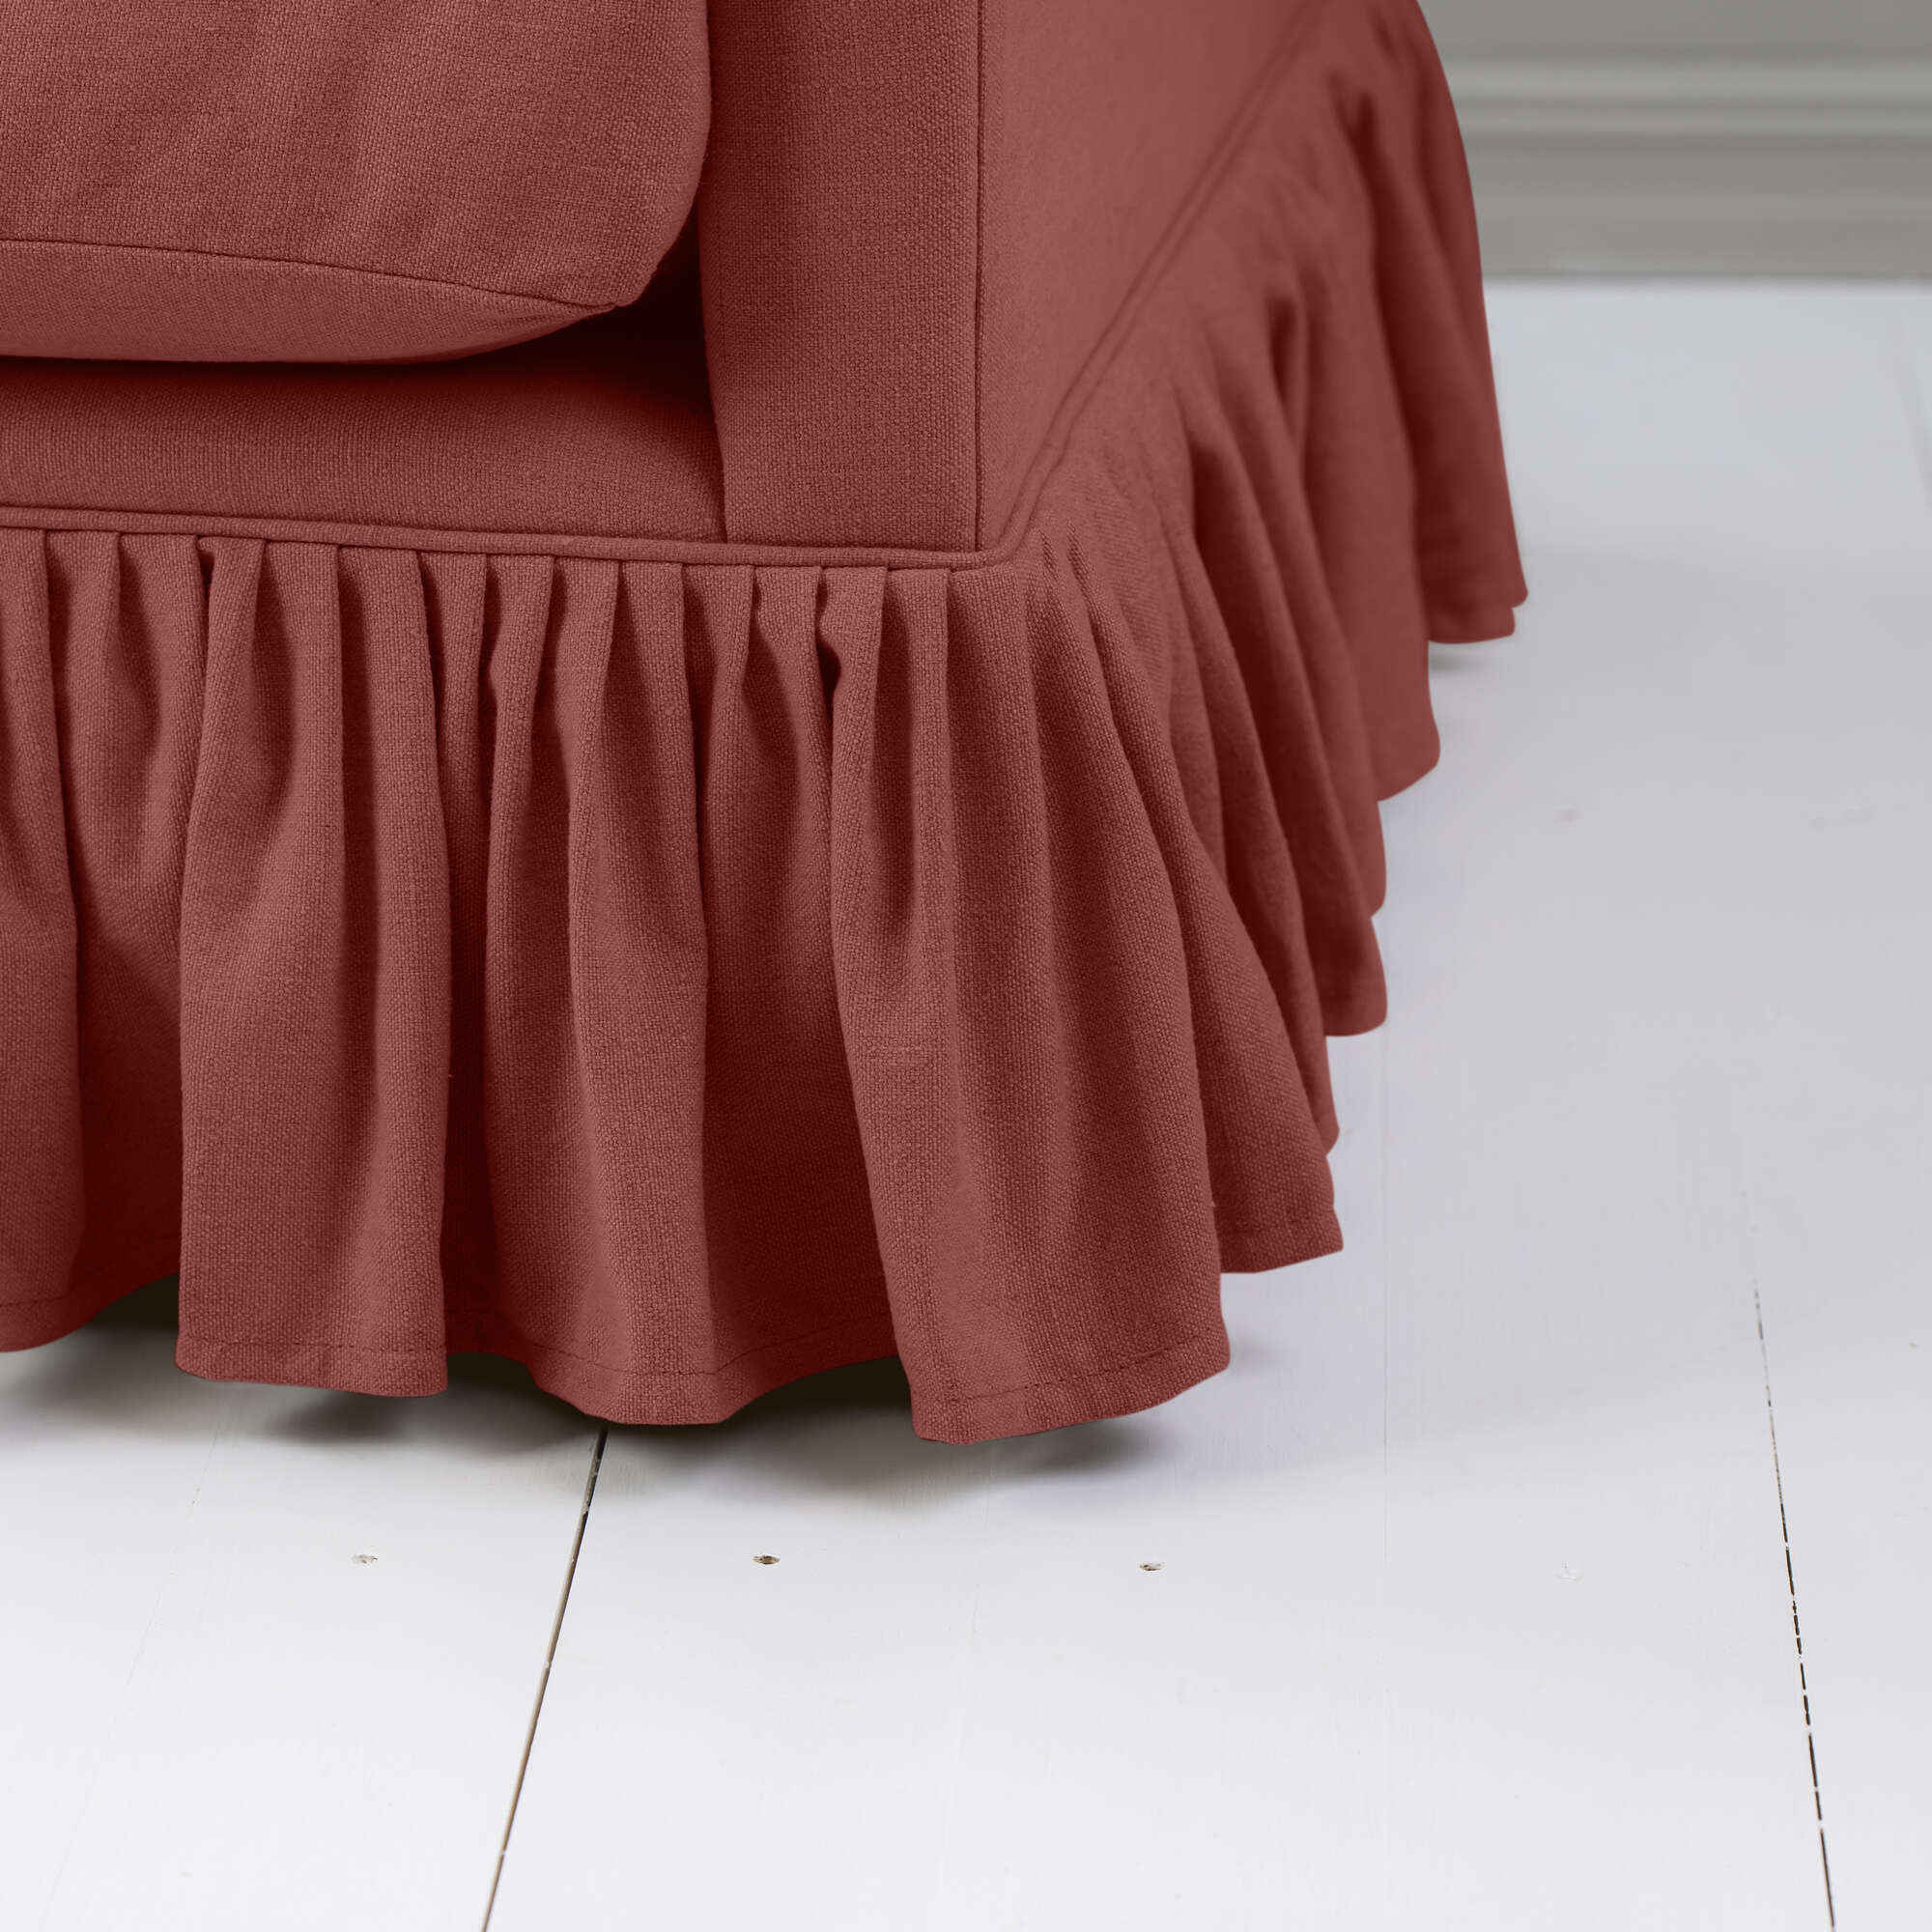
(42, 1225)
(314, 948)
(683, 976)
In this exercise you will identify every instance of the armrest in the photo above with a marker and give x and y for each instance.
(916, 220)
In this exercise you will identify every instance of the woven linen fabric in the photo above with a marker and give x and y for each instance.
(337, 180)
(604, 428)
(682, 967)
(912, 251)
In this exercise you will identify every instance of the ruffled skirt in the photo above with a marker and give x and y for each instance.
(684, 970)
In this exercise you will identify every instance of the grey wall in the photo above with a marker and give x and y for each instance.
(1741, 135)
(1683, 29)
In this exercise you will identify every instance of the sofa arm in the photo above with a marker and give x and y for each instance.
(916, 220)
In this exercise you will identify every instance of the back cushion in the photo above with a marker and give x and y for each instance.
(347, 181)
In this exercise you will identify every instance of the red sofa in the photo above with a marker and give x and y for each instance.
(692, 694)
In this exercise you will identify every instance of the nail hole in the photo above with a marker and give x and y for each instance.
(1149, 1566)
(764, 1559)
(362, 1557)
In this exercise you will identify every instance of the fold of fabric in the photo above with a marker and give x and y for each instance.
(682, 977)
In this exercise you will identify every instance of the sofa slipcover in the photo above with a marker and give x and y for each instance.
(859, 915)
(353, 180)
(602, 428)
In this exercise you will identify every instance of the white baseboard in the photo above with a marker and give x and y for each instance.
(1757, 168)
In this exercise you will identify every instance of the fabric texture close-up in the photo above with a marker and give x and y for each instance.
(537, 854)
(361, 180)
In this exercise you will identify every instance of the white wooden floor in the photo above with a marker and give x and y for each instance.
(1469, 1598)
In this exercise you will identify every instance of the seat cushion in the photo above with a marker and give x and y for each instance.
(601, 430)
(337, 180)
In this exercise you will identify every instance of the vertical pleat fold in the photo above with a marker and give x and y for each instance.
(314, 968)
(40, 1098)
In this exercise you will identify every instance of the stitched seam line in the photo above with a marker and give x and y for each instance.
(1193, 1340)
(980, 278)
(1310, 1217)
(1203, 195)
(303, 262)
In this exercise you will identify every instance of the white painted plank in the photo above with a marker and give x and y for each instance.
(957, 1700)
(217, 1719)
(1831, 1142)
(1614, 945)
(1909, 318)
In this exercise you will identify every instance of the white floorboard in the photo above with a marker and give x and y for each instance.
(1829, 957)
(1813, 1062)
(1577, 1384)
(1472, 1606)
(217, 1719)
